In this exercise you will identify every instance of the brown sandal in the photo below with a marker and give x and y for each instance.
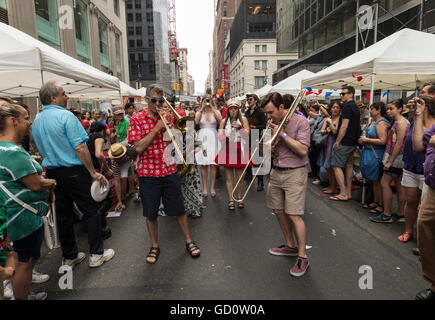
(231, 205)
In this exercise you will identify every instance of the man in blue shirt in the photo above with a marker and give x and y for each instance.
(61, 140)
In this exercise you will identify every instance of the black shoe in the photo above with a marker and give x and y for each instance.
(426, 294)
(415, 251)
(106, 232)
(260, 187)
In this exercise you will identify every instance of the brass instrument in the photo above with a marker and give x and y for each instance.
(272, 143)
(181, 124)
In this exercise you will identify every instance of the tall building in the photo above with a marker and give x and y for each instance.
(182, 65)
(148, 46)
(323, 31)
(91, 31)
(95, 33)
(224, 17)
(251, 48)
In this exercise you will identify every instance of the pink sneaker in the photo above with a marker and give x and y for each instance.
(300, 267)
(284, 251)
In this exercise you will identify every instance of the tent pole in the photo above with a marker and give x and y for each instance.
(356, 27)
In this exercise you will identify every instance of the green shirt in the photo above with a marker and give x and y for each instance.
(3, 233)
(16, 163)
(121, 130)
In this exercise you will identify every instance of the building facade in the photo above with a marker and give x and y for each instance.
(224, 17)
(91, 31)
(182, 65)
(148, 45)
(253, 64)
(323, 31)
(251, 47)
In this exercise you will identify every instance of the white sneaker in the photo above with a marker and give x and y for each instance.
(96, 260)
(39, 277)
(73, 262)
(316, 182)
(8, 293)
(37, 296)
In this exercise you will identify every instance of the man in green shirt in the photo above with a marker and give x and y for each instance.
(121, 123)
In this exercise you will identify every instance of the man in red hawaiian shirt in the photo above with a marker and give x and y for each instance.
(158, 178)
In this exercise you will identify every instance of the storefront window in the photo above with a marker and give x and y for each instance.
(81, 25)
(47, 22)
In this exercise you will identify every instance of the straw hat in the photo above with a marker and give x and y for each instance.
(117, 151)
(117, 110)
(405, 109)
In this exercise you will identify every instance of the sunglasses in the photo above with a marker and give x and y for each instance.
(155, 100)
(233, 108)
(344, 93)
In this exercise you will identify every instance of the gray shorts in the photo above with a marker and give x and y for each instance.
(342, 156)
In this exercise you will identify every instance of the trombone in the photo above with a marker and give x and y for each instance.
(272, 143)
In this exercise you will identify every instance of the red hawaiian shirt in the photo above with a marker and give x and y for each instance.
(156, 160)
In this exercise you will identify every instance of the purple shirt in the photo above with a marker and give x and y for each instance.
(429, 163)
(298, 129)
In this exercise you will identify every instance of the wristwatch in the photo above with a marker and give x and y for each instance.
(283, 135)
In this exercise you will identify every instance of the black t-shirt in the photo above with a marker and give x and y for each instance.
(257, 118)
(350, 111)
(91, 147)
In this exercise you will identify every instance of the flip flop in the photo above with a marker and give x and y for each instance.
(329, 192)
(335, 198)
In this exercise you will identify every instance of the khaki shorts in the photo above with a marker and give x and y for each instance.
(287, 190)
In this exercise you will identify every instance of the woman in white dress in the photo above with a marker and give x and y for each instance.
(208, 118)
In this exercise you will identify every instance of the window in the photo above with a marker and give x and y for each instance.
(264, 65)
(130, 31)
(138, 17)
(139, 43)
(257, 64)
(129, 4)
(261, 9)
(118, 55)
(264, 48)
(130, 17)
(225, 13)
(104, 45)
(260, 82)
(261, 27)
(132, 57)
(150, 43)
(137, 4)
(47, 22)
(150, 30)
(149, 17)
(116, 7)
(149, 4)
(140, 57)
(257, 48)
(138, 31)
(225, 4)
(131, 43)
(81, 26)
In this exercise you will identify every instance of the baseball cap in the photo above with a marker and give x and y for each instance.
(233, 102)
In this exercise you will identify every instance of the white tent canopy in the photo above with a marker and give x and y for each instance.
(26, 63)
(292, 84)
(263, 91)
(126, 91)
(403, 61)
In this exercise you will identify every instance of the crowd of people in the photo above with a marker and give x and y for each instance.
(126, 149)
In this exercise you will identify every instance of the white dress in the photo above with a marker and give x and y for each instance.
(209, 138)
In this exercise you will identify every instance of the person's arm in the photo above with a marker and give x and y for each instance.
(294, 145)
(324, 125)
(35, 183)
(418, 131)
(82, 152)
(341, 133)
(401, 131)
(217, 115)
(99, 154)
(144, 143)
(382, 132)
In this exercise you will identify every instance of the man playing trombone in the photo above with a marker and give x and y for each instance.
(158, 179)
(288, 178)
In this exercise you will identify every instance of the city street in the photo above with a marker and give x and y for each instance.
(235, 263)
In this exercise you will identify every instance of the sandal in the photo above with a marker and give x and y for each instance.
(370, 206)
(231, 206)
(154, 254)
(377, 210)
(240, 205)
(405, 237)
(191, 247)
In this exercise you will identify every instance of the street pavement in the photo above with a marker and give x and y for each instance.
(234, 261)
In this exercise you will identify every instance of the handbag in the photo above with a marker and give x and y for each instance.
(50, 226)
(322, 141)
(380, 163)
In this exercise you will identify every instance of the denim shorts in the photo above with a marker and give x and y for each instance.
(167, 189)
(30, 246)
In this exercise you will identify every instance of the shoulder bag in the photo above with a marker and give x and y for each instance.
(380, 163)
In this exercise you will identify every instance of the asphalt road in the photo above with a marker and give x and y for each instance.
(235, 263)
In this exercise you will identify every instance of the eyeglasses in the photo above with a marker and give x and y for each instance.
(343, 93)
(155, 100)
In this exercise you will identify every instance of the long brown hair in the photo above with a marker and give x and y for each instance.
(239, 116)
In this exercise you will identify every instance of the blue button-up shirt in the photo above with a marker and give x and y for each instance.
(57, 132)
